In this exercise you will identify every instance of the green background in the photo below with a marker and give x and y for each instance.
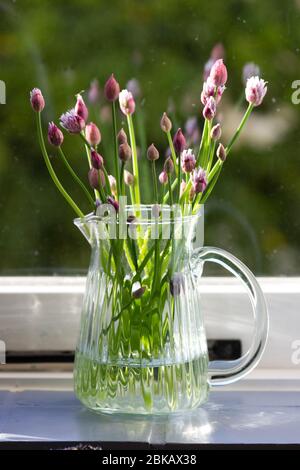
(62, 46)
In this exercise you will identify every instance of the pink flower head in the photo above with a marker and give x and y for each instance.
(37, 100)
(256, 88)
(210, 108)
(163, 177)
(127, 103)
(209, 89)
(218, 73)
(199, 180)
(81, 108)
(188, 161)
(72, 122)
(55, 135)
(92, 134)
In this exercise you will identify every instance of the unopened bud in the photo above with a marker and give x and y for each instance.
(122, 137)
(216, 132)
(111, 89)
(125, 152)
(179, 141)
(169, 166)
(152, 153)
(221, 153)
(55, 135)
(165, 123)
(96, 160)
(163, 177)
(37, 100)
(81, 108)
(92, 134)
(128, 178)
(96, 178)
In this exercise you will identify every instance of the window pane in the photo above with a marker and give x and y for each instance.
(62, 47)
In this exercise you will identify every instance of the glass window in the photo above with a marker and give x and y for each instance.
(62, 47)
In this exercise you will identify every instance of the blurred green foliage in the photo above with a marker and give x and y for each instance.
(62, 46)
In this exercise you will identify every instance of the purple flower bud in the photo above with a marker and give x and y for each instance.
(255, 90)
(113, 202)
(165, 123)
(250, 70)
(163, 177)
(169, 166)
(199, 180)
(209, 109)
(94, 92)
(111, 89)
(37, 100)
(81, 108)
(128, 178)
(188, 161)
(96, 160)
(55, 135)
(122, 137)
(221, 153)
(218, 73)
(179, 141)
(96, 178)
(125, 152)
(216, 132)
(92, 134)
(152, 153)
(72, 122)
(127, 103)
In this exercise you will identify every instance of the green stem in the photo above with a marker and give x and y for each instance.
(154, 176)
(87, 147)
(117, 167)
(239, 129)
(76, 177)
(173, 153)
(202, 141)
(136, 186)
(51, 170)
(122, 191)
(166, 196)
(170, 190)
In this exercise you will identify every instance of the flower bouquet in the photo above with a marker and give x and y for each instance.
(142, 345)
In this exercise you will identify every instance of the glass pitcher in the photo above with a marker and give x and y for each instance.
(142, 346)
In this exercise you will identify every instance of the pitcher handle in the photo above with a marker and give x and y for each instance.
(227, 372)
